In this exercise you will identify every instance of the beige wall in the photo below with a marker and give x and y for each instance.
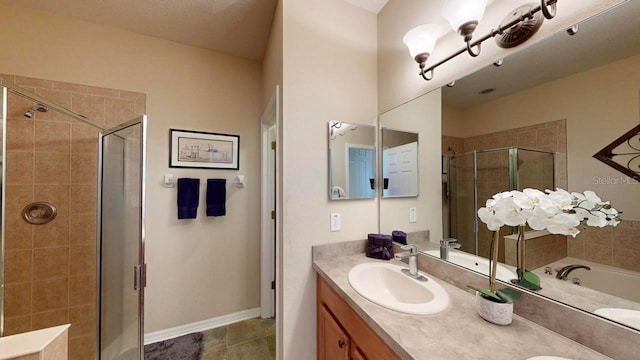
(398, 79)
(421, 115)
(329, 74)
(599, 106)
(197, 269)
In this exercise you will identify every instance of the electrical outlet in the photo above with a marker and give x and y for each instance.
(412, 215)
(336, 222)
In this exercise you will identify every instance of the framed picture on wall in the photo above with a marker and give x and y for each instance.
(203, 150)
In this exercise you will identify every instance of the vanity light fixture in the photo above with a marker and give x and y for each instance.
(464, 16)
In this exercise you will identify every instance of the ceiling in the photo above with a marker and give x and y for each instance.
(608, 37)
(236, 27)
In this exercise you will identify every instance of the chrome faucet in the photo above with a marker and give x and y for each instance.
(412, 254)
(445, 245)
(565, 271)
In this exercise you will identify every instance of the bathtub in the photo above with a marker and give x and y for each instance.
(618, 282)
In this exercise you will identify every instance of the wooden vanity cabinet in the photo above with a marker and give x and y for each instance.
(342, 334)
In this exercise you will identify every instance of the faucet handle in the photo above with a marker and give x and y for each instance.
(447, 242)
(413, 248)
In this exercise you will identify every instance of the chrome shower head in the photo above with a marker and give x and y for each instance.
(40, 108)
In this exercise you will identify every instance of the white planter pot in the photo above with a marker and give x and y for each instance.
(494, 312)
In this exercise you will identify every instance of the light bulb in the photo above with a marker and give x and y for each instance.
(461, 12)
(421, 40)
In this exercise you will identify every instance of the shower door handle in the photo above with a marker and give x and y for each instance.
(139, 276)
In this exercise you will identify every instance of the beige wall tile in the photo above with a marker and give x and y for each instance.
(49, 263)
(53, 234)
(18, 266)
(53, 137)
(626, 236)
(118, 111)
(18, 196)
(17, 325)
(83, 260)
(101, 91)
(89, 106)
(19, 167)
(575, 248)
(82, 290)
(50, 318)
(17, 105)
(65, 86)
(62, 98)
(626, 259)
(527, 139)
(28, 357)
(58, 195)
(83, 229)
(83, 320)
(84, 169)
(83, 199)
(598, 253)
(17, 300)
(58, 349)
(50, 295)
(82, 348)
(18, 234)
(33, 82)
(547, 137)
(52, 168)
(20, 134)
(84, 139)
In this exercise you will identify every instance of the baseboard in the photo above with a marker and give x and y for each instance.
(200, 325)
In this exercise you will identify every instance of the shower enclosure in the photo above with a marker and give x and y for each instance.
(474, 177)
(72, 248)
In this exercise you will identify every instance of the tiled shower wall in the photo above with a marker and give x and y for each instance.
(493, 168)
(50, 270)
(614, 246)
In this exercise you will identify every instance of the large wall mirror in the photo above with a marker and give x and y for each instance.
(536, 121)
(352, 161)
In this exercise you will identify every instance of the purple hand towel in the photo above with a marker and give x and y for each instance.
(216, 197)
(380, 246)
(188, 198)
(399, 237)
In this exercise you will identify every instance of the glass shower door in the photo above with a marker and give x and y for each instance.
(121, 268)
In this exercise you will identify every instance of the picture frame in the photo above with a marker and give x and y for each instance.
(203, 150)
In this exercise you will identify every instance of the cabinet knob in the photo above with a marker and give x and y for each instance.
(341, 344)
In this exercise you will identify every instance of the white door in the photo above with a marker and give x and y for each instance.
(400, 172)
(361, 172)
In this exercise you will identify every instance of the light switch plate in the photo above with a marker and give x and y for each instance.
(336, 222)
(412, 215)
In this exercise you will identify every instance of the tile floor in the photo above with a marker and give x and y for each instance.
(253, 339)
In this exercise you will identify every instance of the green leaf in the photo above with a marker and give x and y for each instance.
(487, 294)
(508, 295)
(531, 278)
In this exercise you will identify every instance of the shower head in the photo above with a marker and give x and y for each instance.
(39, 108)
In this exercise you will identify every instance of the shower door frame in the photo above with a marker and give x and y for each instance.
(140, 270)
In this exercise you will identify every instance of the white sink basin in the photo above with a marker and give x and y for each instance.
(623, 316)
(385, 285)
(476, 263)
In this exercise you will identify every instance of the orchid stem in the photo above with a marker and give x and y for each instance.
(494, 264)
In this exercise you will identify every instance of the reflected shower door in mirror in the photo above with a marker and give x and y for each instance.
(352, 161)
(399, 163)
(571, 105)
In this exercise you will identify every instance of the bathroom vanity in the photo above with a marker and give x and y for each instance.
(351, 327)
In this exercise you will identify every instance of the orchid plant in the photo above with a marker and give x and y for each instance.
(558, 212)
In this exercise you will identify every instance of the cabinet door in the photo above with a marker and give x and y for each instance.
(333, 342)
(356, 354)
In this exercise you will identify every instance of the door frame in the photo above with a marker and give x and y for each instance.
(141, 272)
(268, 226)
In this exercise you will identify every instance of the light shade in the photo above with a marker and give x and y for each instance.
(422, 39)
(459, 12)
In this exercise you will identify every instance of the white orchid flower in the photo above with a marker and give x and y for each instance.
(562, 199)
(489, 217)
(563, 229)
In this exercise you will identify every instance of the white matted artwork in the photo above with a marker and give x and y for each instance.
(203, 150)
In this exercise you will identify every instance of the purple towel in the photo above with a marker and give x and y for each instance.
(216, 197)
(380, 246)
(188, 198)
(399, 237)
